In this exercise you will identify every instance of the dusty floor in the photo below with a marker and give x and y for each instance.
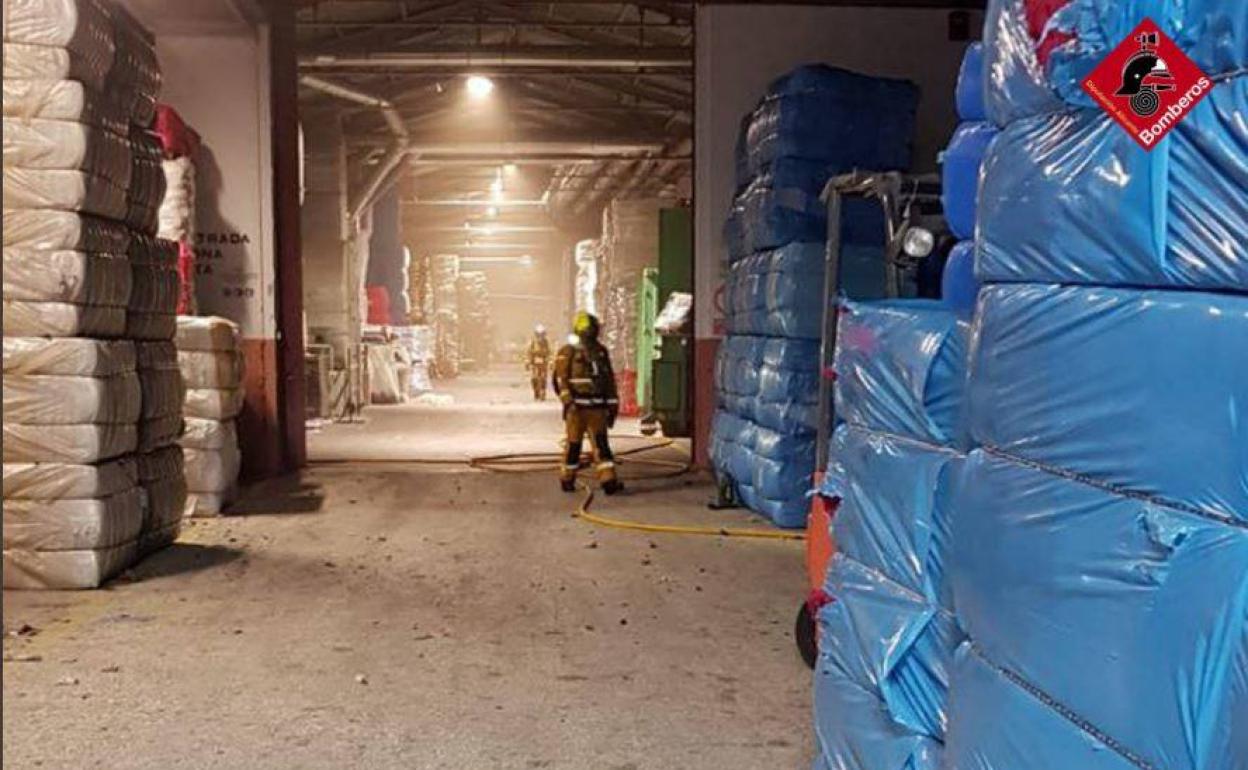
(394, 616)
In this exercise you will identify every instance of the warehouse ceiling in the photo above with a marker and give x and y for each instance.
(589, 101)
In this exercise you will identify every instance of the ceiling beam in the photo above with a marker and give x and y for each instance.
(512, 57)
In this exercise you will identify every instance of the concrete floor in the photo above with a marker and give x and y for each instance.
(401, 616)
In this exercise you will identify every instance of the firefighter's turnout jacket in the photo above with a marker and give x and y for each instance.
(584, 379)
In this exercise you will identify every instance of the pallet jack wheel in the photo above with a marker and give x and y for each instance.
(805, 634)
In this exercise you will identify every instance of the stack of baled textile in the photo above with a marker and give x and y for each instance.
(90, 482)
(211, 361)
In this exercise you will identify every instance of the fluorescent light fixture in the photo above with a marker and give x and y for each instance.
(492, 212)
(479, 86)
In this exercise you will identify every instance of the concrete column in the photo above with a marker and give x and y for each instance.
(326, 235)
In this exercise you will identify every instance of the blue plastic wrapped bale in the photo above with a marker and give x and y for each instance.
(771, 381)
(777, 293)
(891, 641)
(854, 729)
(960, 164)
(1031, 72)
(1131, 615)
(1072, 198)
(996, 724)
(842, 118)
(1140, 391)
(959, 288)
(771, 471)
(900, 368)
(969, 92)
(887, 517)
(782, 205)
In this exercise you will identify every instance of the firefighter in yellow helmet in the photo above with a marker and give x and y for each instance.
(537, 361)
(585, 383)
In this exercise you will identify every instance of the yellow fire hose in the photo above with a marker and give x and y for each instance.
(541, 462)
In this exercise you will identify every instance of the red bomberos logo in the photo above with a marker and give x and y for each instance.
(1147, 84)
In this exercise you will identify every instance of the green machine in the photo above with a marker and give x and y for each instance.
(665, 359)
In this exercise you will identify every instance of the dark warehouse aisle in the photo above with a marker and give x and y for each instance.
(394, 616)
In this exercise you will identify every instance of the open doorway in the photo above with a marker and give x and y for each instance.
(476, 174)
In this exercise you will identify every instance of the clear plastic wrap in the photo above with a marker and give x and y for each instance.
(55, 481)
(209, 434)
(163, 388)
(68, 570)
(211, 369)
(213, 470)
(44, 399)
(383, 375)
(65, 145)
(135, 73)
(1141, 391)
(70, 444)
(148, 250)
(72, 356)
(64, 230)
(901, 368)
(443, 275)
(72, 524)
(586, 258)
(204, 504)
(475, 330)
(64, 190)
(61, 319)
(1179, 212)
(1068, 585)
(214, 403)
(207, 333)
(66, 276)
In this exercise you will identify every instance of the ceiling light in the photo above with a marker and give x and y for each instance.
(479, 86)
(492, 211)
(526, 261)
(510, 168)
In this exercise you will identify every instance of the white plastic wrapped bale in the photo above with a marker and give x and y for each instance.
(65, 570)
(56, 481)
(212, 465)
(213, 403)
(61, 319)
(177, 208)
(40, 62)
(211, 368)
(74, 277)
(64, 230)
(163, 392)
(162, 475)
(68, 400)
(65, 190)
(73, 524)
(45, 144)
(60, 100)
(207, 333)
(77, 25)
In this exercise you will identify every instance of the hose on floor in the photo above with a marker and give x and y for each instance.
(535, 462)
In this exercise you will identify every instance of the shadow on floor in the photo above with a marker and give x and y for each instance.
(180, 559)
(285, 496)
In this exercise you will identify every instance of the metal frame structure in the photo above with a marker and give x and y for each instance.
(901, 196)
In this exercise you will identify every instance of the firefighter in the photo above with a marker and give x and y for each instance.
(585, 384)
(537, 361)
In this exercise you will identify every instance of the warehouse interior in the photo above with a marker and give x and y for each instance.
(845, 385)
